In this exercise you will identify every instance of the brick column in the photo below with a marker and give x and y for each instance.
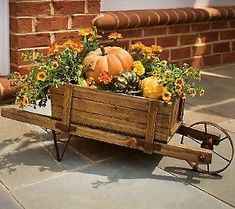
(37, 24)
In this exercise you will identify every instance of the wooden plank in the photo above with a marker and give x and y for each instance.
(198, 134)
(47, 122)
(184, 152)
(96, 107)
(29, 117)
(162, 120)
(104, 122)
(151, 124)
(117, 99)
(67, 104)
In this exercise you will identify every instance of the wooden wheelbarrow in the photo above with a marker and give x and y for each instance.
(131, 121)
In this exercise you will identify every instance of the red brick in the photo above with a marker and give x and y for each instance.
(16, 57)
(229, 34)
(175, 29)
(31, 40)
(228, 57)
(189, 39)
(62, 37)
(131, 33)
(201, 50)
(29, 8)
(194, 62)
(212, 60)
(232, 23)
(219, 25)
(52, 23)
(165, 54)
(198, 27)
(82, 21)
(221, 47)
(65, 7)
(209, 36)
(233, 45)
(120, 43)
(180, 53)
(147, 41)
(156, 31)
(167, 41)
(21, 25)
(24, 69)
(93, 7)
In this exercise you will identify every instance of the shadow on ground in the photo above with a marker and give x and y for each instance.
(118, 163)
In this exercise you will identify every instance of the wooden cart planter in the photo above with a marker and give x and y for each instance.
(130, 121)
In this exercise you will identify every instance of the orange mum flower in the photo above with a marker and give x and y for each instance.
(156, 48)
(115, 36)
(138, 46)
(41, 76)
(54, 48)
(105, 78)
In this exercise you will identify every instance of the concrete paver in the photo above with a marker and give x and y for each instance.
(129, 181)
(98, 175)
(6, 200)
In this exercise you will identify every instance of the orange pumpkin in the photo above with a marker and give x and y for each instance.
(151, 88)
(112, 60)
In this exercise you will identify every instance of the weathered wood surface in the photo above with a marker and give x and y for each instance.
(177, 151)
(151, 125)
(117, 112)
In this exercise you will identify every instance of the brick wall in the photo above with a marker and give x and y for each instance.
(37, 24)
(199, 37)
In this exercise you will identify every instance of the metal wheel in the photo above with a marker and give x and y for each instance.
(222, 149)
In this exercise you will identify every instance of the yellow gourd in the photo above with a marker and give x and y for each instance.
(151, 88)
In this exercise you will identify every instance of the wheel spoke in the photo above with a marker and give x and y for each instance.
(223, 139)
(221, 156)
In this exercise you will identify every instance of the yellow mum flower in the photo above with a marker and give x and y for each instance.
(85, 32)
(178, 88)
(25, 101)
(55, 64)
(23, 77)
(202, 92)
(167, 73)
(115, 36)
(179, 81)
(41, 76)
(138, 68)
(166, 96)
(192, 92)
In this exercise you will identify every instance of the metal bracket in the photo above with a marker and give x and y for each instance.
(58, 155)
(65, 128)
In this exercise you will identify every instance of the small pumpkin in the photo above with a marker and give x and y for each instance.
(151, 87)
(112, 60)
(126, 82)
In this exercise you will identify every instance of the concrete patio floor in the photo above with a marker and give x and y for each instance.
(95, 175)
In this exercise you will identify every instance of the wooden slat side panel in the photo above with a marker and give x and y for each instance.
(138, 116)
(133, 102)
(104, 122)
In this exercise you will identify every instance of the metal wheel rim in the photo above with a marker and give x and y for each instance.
(227, 136)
